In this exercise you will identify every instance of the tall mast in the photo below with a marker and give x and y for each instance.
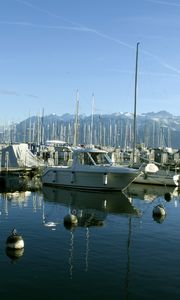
(76, 120)
(92, 119)
(29, 128)
(135, 100)
(42, 127)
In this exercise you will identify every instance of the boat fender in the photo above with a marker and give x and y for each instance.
(176, 179)
(159, 210)
(105, 178)
(15, 241)
(167, 197)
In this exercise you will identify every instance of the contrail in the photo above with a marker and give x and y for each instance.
(32, 96)
(8, 92)
(14, 93)
(70, 28)
(105, 36)
(46, 12)
(82, 28)
(164, 3)
(144, 73)
(98, 33)
(28, 24)
(76, 27)
(162, 63)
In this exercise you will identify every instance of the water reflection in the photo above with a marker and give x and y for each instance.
(90, 208)
(14, 183)
(154, 196)
(19, 199)
(14, 254)
(149, 192)
(90, 252)
(16, 191)
(159, 219)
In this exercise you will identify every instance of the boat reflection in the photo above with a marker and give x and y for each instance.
(153, 195)
(149, 192)
(91, 208)
(13, 183)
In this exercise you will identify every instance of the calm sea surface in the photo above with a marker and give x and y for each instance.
(116, 251)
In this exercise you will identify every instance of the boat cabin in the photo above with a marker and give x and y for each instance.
(91, 157)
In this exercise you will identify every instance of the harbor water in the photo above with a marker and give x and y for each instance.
(117, 249)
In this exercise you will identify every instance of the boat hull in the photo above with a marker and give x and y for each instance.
(156, 179)
(93, 178)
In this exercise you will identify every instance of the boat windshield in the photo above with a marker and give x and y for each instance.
(93, 158)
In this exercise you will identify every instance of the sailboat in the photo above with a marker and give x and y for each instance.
(151, 174)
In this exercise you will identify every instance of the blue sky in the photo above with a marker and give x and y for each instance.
(52, 48)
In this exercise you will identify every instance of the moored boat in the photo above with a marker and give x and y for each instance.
(156, 176)
(90, 168)
(160, 178)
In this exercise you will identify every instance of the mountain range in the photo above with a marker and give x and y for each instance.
(160, 129)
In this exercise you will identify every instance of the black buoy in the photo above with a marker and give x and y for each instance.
(70, 221)
(167, 197)
(15, 241)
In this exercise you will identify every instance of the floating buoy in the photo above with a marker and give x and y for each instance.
(15, 241)
(167, 197)
(159, 210)
(70, 219)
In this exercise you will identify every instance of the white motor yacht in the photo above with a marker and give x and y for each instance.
(90, 168)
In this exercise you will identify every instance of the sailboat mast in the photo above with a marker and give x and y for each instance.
(29, 129)
(135, 100)
(42, 127)
(92, 119)
(76, 119)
